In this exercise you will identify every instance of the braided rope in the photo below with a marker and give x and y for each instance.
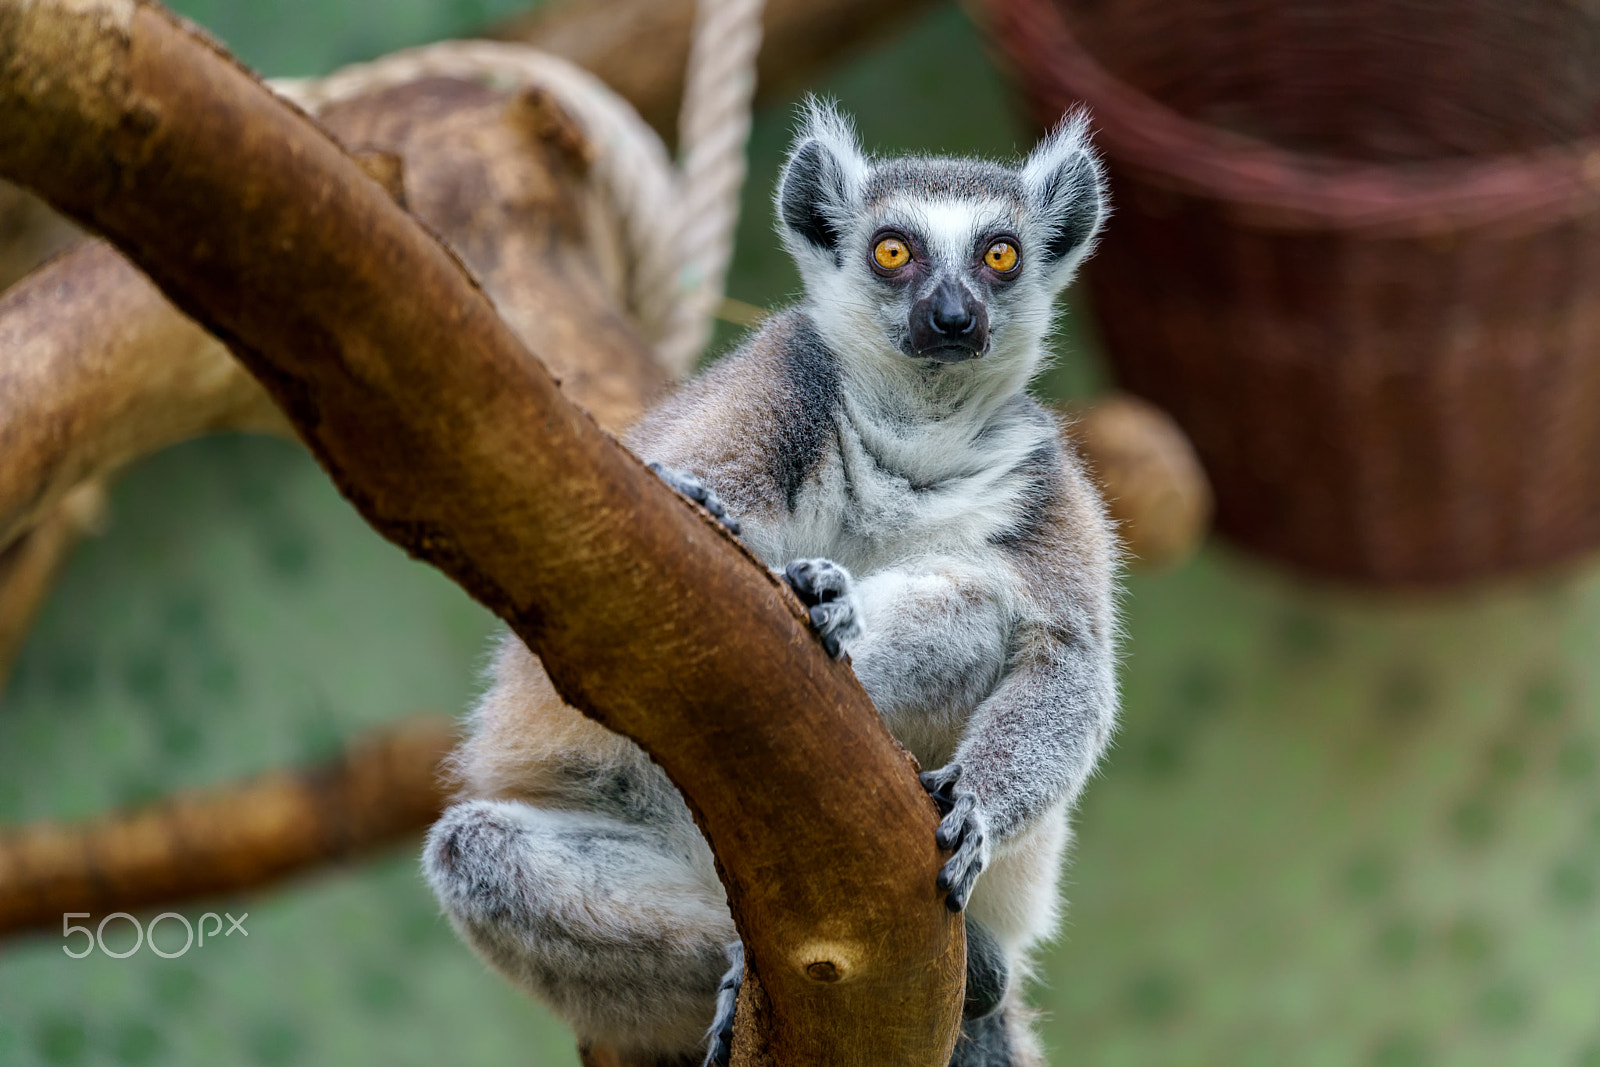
(713, 129)
(677, 227)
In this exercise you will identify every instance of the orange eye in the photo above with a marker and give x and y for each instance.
(1002, 256)
(891, 253)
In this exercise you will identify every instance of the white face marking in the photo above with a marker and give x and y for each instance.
(951, 228)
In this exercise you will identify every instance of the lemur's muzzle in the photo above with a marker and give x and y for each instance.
(949, 324)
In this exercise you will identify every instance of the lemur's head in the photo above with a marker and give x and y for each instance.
(939, 260)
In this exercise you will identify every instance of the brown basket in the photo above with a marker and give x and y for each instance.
(1355, 252)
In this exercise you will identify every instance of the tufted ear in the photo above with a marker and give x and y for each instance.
(822, 180)
(1067, 187)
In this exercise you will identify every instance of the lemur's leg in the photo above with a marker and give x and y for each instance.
(933, 639)
(988, 973)
(994, 1029)
(607, 921)
(719, 1040)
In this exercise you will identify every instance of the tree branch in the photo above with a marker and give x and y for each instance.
(457, 445)
(217, 841)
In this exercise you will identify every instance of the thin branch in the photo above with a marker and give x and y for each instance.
(189, 847)
(456, 444)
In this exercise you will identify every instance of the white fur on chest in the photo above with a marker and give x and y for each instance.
(893, 488)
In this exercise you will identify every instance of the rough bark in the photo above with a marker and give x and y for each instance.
(452, 441)
(219, 841)
(639, 47)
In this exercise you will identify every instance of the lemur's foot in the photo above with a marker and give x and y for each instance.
(828, 591)
(987, 973)
(720, 1036)
(691, 486)
(962, 829)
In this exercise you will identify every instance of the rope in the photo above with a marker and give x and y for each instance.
(677, 225)
(713, 129)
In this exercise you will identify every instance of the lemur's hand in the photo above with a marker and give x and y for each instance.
(828, 591)
(691, 486)
(962, 828)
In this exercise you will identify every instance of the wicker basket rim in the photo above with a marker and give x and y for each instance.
(1280, 187)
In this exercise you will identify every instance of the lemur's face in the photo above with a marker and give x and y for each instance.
(943, 261)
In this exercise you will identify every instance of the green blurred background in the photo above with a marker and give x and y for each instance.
(1335, 829)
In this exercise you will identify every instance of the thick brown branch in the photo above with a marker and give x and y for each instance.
(223, 840)
(452, 441)
(640, 47)
(100, 370)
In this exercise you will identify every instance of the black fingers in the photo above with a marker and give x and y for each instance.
(824, 588)
(719, 1039)
(961, 829)
(955, 825)
(831, 620)
(960, 873)
(941, 785)
(816, 581)
(691, 486)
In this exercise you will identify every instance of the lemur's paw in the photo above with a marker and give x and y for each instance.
(962, 829)
(828, 591)
(719, 1039)
(691, 486)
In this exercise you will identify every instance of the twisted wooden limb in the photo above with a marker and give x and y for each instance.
(222, 840)
(99, 370)
(456, 444)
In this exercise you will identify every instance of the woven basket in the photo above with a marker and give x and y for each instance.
(1356, 253)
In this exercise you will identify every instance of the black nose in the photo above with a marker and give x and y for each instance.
(949, 324)
(949, 314)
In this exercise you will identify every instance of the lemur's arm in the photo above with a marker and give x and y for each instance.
(1034, 742)
(1035, 738)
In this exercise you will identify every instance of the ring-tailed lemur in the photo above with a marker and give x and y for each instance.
(876, 443)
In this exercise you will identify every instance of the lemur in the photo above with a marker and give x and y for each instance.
(876, 445)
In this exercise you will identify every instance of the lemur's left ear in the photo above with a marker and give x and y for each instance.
(1067, 185)
(822, 179)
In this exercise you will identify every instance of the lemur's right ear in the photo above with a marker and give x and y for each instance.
(822, 178)
(1067, 185)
